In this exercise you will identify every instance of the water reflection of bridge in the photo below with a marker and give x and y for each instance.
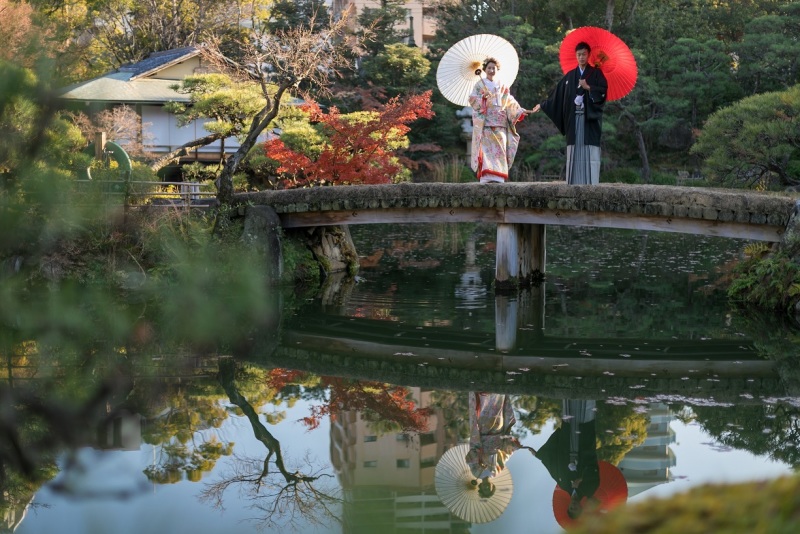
(522, 211)
(724, 370)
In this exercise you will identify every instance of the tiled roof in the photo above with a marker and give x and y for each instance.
(131, 84)
(118, 87)
(156, 60)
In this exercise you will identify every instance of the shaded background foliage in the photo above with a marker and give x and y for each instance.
(694, 58)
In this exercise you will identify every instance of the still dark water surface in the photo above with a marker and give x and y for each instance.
(361, 389)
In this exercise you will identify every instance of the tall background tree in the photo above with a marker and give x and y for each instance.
(378, 27)
(20, 35)
(287, 14)
(768, 52)
(398, 68)
(93, 36)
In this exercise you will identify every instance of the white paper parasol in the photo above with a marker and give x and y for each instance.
(456, 73)
(454, 485)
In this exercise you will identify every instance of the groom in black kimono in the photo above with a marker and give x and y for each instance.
(576, 108)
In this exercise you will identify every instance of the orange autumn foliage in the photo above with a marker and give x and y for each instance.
(358, 152)
(375, 400)
(19, 38)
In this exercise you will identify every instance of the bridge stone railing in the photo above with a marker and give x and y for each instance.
(723, 205)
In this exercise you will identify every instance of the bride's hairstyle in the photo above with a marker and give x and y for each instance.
(491, 60)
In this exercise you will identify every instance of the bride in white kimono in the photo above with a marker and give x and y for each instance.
(494, 135)
(490, 442)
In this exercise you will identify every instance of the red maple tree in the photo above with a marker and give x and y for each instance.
(358, 151)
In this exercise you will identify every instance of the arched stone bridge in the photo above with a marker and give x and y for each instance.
(522, 209)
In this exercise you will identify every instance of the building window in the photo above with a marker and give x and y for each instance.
(427, 438)
(369, 439)
(404, 463)
(371, 463)
(428, 462)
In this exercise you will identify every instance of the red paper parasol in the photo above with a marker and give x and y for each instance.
(612, 492)
(609, 53)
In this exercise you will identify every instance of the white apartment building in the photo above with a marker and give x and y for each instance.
(419, 17)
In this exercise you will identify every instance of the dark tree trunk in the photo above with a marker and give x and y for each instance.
(260, 122)
(643, 155)
(226, 378)
(609, 14)
(164, 160)
(639, 135)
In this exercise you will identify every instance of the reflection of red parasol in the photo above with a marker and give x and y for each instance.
(612, 492)
(609, 53)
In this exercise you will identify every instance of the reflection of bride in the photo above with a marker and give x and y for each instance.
(471, 289)
(490, 440)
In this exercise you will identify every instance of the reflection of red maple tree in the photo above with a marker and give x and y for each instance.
(359, 151)
(376, 401)
(278, 379)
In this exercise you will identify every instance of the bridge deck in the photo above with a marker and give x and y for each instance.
(704, 211)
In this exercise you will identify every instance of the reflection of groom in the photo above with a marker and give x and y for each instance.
(570, 454)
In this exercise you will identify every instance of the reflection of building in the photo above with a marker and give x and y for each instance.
(471, 291)
(648, 464)
(420, 14)
(14, 514)
(122, 432)
(388, 479)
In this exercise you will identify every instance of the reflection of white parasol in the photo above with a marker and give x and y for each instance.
(456, 73)
(458, 489)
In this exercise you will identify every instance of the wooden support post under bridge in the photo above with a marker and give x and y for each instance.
(505, 322)
(523, 311)
(520, 255)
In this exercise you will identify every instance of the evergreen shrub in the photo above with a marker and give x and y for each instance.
(622, 175)
(770, 282)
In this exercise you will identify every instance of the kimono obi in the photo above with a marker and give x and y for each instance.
(495, 117)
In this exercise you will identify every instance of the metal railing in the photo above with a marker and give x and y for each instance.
(144, 193)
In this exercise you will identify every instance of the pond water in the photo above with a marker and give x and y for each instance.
(332, 410)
